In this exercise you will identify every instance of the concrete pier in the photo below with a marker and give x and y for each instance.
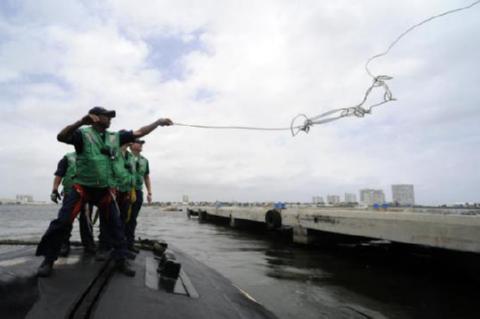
(434, 228)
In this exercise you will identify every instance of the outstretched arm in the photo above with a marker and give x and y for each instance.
(149, 128)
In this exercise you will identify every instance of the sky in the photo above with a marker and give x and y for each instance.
(249, 63)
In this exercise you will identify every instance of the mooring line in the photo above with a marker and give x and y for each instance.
(379, 81)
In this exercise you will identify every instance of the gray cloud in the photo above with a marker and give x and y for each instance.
(254, 63)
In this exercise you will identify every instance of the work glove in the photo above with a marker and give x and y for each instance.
(55, 196)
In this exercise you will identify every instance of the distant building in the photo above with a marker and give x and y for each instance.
(371, 197)
(403, 194)
(185, 198)
(350, 198)
(318, 200)
(7, 201)
(24, 198)
(333, 199)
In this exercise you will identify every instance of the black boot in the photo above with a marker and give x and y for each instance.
(124, 267)
(89, 249)
(65, 249)
(130, 255)
(45, 268)
(102, 254)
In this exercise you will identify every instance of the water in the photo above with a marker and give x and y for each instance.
(294, 281)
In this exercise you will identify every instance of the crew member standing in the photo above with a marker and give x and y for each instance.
(65, 173)
(96, 150)
(142, 175)
(125, 168)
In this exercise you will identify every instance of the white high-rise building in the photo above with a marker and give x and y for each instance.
(317, 200)
(333, 199)
(372, 196)
(350, 198)
(403, 194)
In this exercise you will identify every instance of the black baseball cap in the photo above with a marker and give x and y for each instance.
(139, 141)
(98, 110)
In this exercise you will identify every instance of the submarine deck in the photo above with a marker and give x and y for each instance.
(81, 287)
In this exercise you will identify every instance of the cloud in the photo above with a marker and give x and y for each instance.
(250, 63)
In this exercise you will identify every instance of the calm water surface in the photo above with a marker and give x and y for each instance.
(294, 281)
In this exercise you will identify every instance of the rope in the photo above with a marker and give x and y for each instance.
(234, 127)
(414, 27)
(379, 81)
(323, 118)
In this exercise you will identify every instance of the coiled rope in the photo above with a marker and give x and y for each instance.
(379, 81)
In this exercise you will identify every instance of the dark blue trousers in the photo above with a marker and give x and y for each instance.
(86, 227)
(59, 229)
(124, 202)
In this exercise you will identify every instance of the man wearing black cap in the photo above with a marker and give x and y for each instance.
(94, 182)
(141, 176)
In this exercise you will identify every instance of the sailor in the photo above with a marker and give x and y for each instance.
(94, 182)
(124, 183)
(142, 175)
(65, 173)
(124, 167)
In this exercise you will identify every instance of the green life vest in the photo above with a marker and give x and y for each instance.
(95, 162)
(67, 181)
(123, 168)
(141, 165)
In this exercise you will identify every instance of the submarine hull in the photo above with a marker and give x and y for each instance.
(81, 287)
